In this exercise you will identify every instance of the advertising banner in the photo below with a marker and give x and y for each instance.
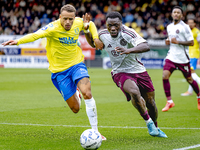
(13, 61)
(11, 51)
(33, 51)
(87, 50)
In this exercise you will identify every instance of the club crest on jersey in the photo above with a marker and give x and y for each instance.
(177, 31)
(76, 31)
(115, 53)
(123, 42)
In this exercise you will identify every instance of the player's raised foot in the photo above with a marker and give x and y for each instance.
(103, 138)
(161, 134)
(198, 105)
(79, 96)
(168, 106)
(186, 94)
(153, 131)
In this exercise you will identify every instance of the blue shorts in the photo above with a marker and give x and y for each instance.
(193, 63)
(66, 81)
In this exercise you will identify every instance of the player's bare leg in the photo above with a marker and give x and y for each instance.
(195, 86)
(149, 97)
(73, 103)
(190, 89)
(166, 85)
(85, 88)
(139, 103)
(152, 110)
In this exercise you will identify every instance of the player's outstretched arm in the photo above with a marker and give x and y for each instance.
(88, 35)
(142, 47)
(10, 42)
(91, 34)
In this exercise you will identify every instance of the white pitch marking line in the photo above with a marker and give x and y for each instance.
(81, 126)
(190, 147)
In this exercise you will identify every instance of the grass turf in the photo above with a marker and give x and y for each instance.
(33, 115)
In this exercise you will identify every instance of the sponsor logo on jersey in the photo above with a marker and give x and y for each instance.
(115, 53)
(177, 31)
(67, 40)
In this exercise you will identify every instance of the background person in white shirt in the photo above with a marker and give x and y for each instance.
(179, 38)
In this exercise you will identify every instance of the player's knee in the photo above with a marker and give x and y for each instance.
(87, 95)
(75, 110)
(165, 75)
(135, 94)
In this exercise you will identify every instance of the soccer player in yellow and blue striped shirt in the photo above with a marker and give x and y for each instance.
(66, 58)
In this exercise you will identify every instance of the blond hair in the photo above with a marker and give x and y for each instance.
(68, 8)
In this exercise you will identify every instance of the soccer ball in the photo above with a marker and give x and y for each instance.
(90, 139)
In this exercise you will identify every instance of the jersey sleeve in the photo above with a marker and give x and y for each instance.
(188, 33)
(131, 36)
(41, 33)
(137, 40)
(93, 30)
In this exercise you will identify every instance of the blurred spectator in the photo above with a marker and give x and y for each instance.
(190, 7)
(44, 20)
(13, 19)
(139, 21)
(151, 17)
(55, 13)
(129, 17)
(22, 4)
(1, 30)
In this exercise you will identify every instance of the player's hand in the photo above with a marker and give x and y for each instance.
(86, 20)
(167, 42)
(98, 44)
(122, 50)
(174, 41)
(10, 42)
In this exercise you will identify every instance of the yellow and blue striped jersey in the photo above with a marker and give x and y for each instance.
(62, 49)
(194, 50)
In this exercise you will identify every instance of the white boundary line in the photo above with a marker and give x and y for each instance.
(190, 147)
(119, 127)
(82, 126)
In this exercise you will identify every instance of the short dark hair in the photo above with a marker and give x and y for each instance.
(114, 14)
(68, 8)
(192, 18)
(178, 8)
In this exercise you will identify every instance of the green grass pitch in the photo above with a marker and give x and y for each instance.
(34, 116)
